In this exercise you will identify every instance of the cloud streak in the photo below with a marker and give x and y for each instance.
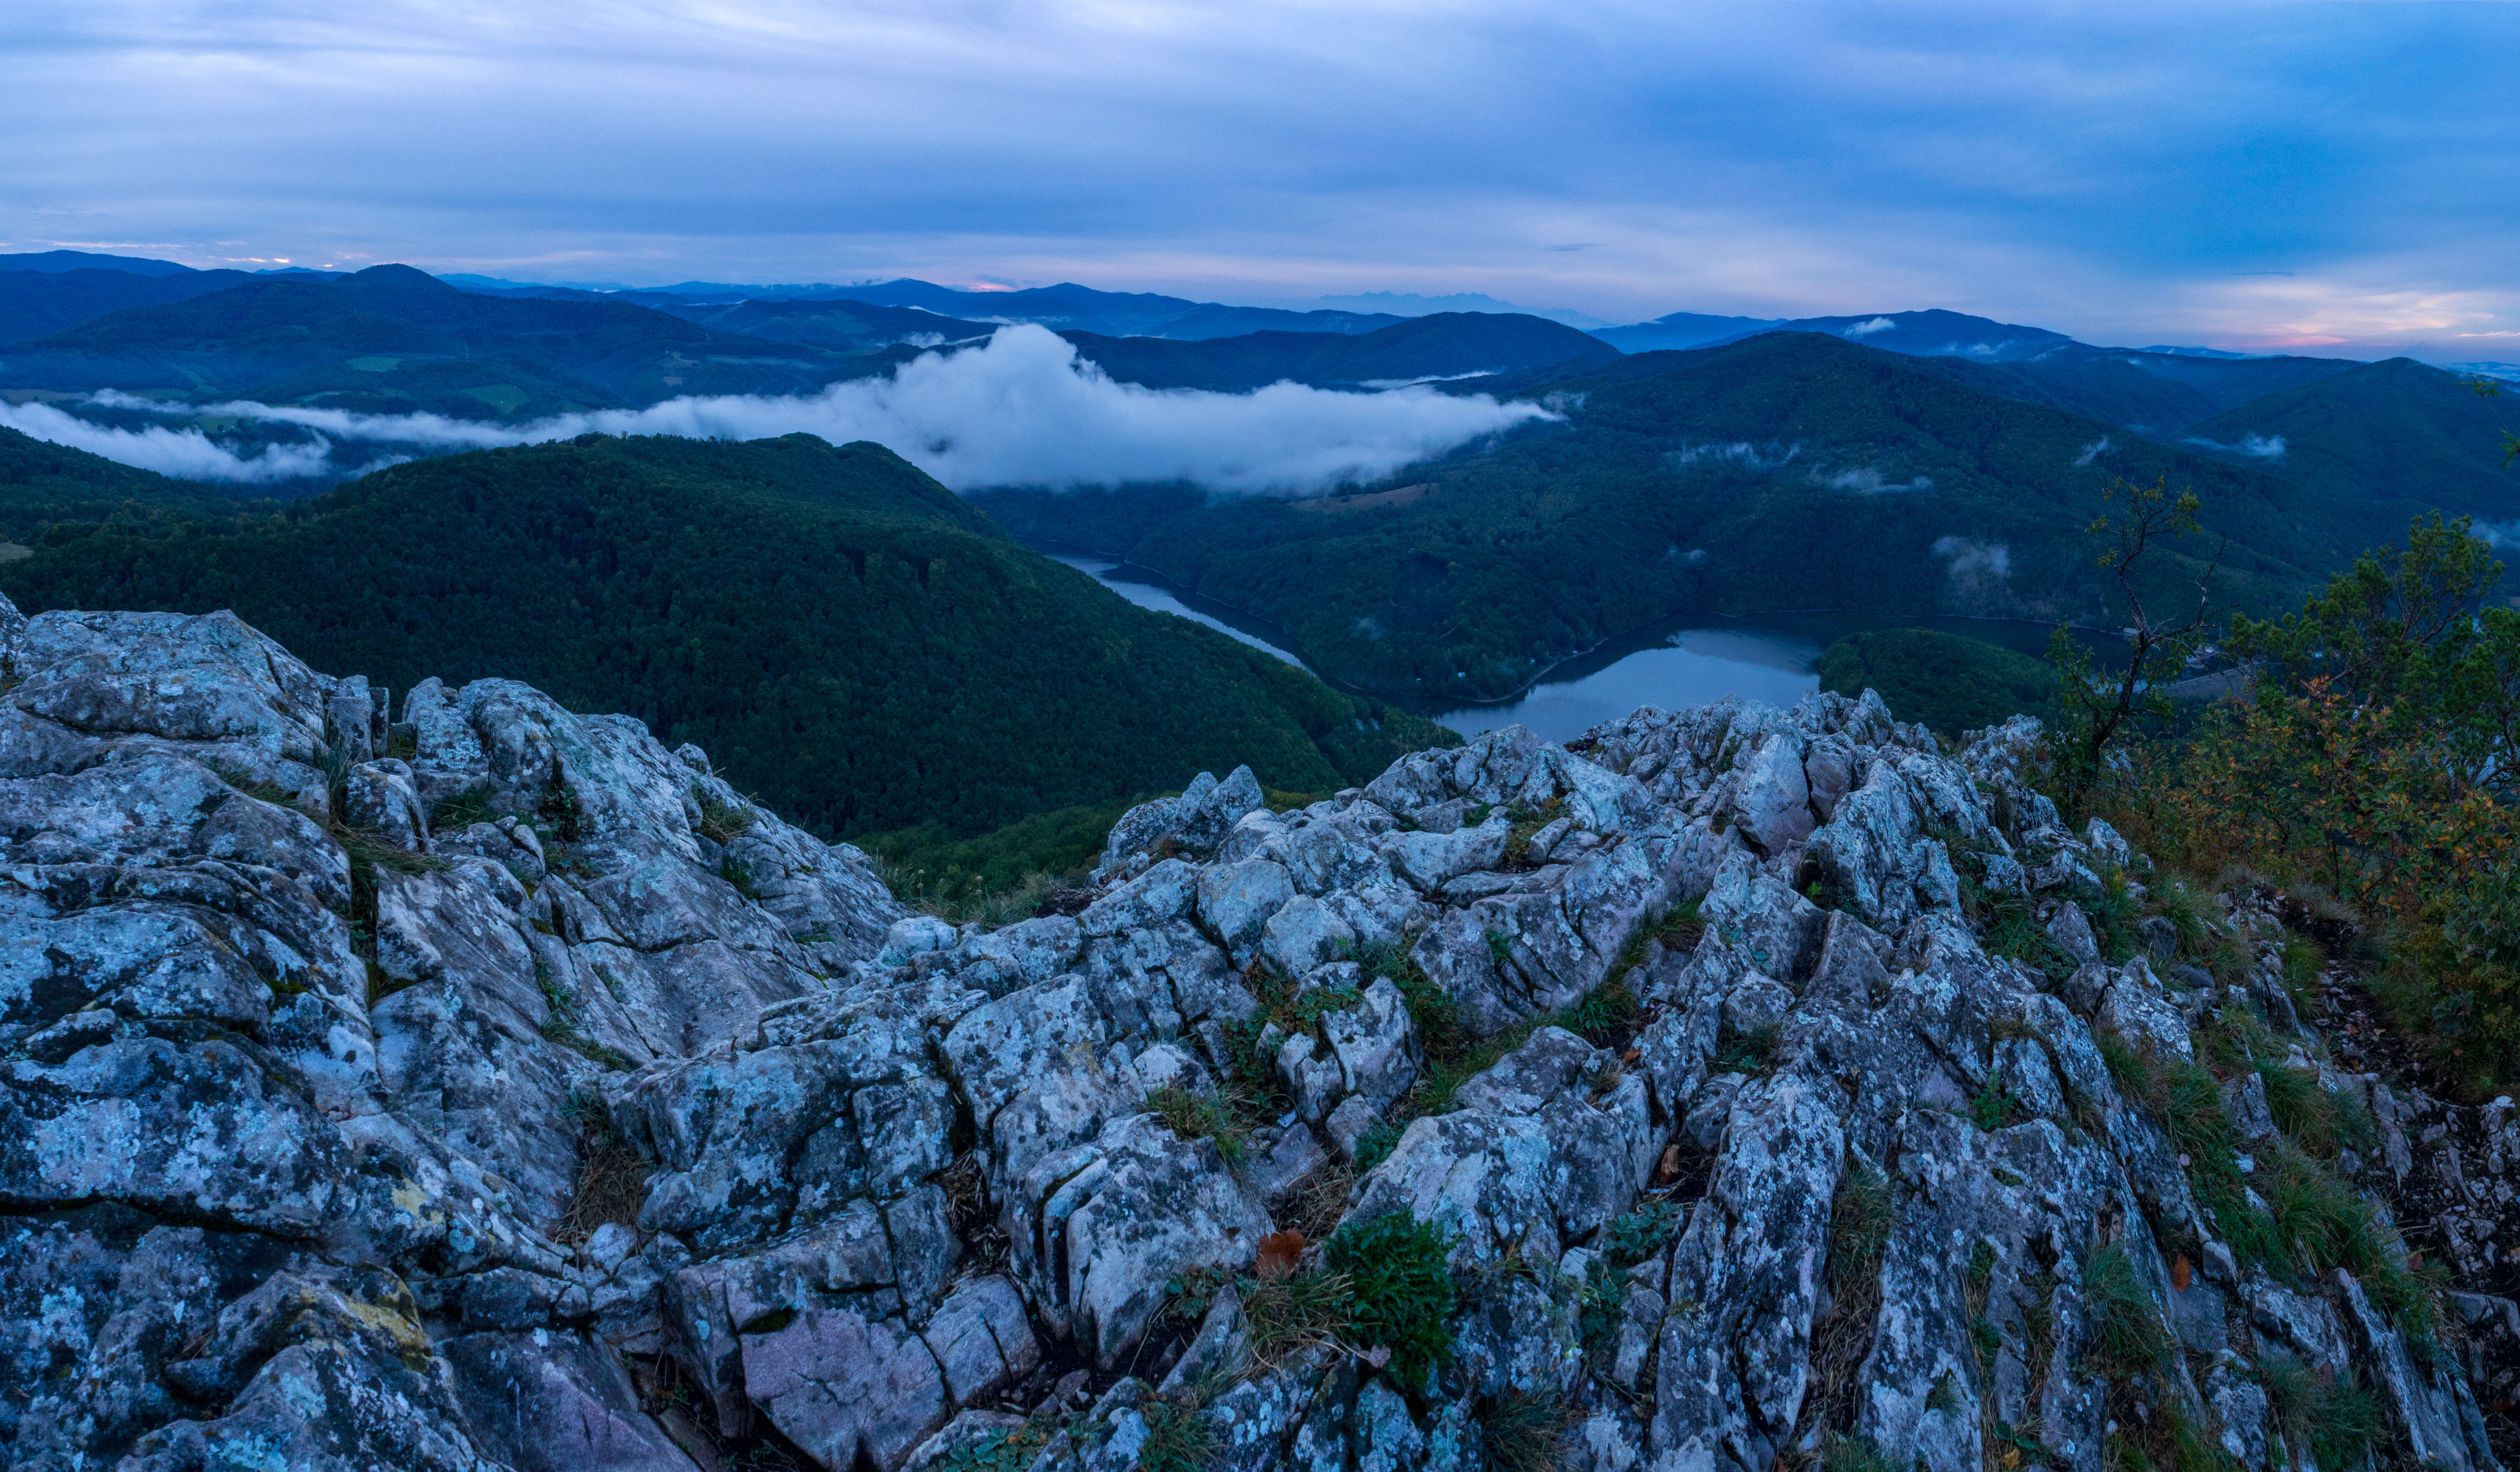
(187, 454)
(1021, 410)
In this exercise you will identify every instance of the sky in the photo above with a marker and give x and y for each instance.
(2338, 178)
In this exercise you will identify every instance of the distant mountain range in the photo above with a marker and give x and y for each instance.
(391, 339)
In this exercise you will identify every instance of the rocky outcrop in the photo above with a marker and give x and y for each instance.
(494, 1087)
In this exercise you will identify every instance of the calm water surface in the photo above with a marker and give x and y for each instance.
(1686, 667)
(1773, 657)
(1148, 595)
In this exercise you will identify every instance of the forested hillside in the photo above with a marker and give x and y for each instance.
(1445, 344)
(843, 635)
(1791, 471)
(396, 338)
(41, 482)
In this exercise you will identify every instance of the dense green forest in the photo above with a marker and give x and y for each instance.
(41, 482)
(1792, 470)
(846, 638)
(1948, 682)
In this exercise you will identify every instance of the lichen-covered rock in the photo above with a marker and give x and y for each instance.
(492, 1087)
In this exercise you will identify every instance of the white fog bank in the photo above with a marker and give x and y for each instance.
(1021, 410)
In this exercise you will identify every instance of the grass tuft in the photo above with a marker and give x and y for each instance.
(1193, 1115)
(2127, 1336)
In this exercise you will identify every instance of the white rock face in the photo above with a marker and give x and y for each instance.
(439, 1094)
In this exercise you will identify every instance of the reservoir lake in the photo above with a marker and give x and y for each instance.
(1773, 657)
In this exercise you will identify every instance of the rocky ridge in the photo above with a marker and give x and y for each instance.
(1738, 1089)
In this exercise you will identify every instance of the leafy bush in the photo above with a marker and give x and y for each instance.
(1641, 1233)
(2375, 766)
(1401, 1290)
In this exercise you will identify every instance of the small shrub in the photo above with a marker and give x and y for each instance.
(1852, 1453)
(2127, 1335)
(1993, 1107)
(1601, 1013)
(2012, 932)
(1401, 1289)
(1500, 948)
(2128, 1068)
(738, 873)
(1014, 1451)
(1642, 1232)
(2303, 962)
(2193, 1447)
(2300, 1108)
(1433, 1013)
(2113, 916)
(1306, 1011)
(1604, 1293)
(2176, 901)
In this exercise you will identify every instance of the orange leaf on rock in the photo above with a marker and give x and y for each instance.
(2178, 1273)
(1279, 1252)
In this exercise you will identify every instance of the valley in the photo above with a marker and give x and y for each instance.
(1646, 541)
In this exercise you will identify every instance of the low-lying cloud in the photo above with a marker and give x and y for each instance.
(1022, 409)
(1866, 480)
(188, 454)
(2255, 446)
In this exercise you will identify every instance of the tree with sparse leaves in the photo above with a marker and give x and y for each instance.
(2095, 708)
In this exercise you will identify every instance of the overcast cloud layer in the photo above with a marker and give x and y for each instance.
(2321, 176)
(1021, 410)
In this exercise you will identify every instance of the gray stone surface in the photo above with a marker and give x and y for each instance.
(299, 1161)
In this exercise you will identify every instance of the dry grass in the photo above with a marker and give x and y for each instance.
(612, 1187)
(1320, 1200)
